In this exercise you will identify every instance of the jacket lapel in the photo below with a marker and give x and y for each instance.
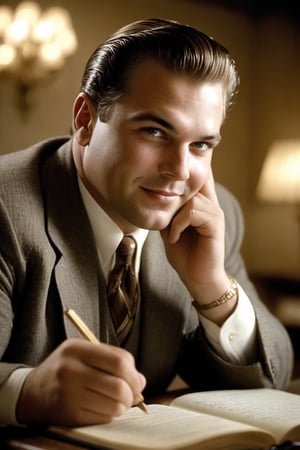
(71, 236)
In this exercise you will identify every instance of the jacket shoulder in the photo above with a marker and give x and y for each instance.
(23, 160)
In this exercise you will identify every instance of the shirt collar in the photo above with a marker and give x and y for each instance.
(106, 232)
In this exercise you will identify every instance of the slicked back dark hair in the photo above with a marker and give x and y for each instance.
(180, 48)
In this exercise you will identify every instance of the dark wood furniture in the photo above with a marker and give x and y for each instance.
(281, 294)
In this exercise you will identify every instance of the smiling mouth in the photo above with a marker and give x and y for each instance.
(161, 195)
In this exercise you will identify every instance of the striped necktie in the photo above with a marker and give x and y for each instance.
(123, 290)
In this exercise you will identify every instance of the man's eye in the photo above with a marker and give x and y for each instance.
(154, 131)
(203, 146)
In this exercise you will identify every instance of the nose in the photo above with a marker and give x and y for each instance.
(175, 163)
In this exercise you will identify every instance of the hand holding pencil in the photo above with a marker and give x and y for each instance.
(80, 384)
(87, 334)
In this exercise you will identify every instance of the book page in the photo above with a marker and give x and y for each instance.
(167, 428)
(272, 410)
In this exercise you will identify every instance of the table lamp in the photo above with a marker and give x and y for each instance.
(280, 176)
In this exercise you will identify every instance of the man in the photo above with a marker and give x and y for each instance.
(145, 123)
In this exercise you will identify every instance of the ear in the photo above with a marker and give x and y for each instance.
(84, 116)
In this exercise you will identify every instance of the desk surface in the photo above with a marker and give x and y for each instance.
(18, 440)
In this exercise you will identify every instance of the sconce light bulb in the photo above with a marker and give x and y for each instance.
(43, 31)
(6, 16)
(28, 11)
(17, 32)
(59, 17)
(7, 55)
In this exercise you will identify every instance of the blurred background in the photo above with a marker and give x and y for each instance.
(264, 39)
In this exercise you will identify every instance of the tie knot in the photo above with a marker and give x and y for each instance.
(126, 249)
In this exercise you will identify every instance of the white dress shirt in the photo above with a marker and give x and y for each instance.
(233, 341)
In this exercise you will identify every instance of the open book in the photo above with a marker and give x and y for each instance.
(213, 420)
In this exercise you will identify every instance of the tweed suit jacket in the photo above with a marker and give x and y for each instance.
(48, 262)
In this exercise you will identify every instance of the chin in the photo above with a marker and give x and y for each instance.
(150, 220)
(154, 225)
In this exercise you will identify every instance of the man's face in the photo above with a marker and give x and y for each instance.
(154, 153)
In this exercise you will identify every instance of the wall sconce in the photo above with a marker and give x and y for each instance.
(33, 46)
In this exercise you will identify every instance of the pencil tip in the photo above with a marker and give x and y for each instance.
(143, 407)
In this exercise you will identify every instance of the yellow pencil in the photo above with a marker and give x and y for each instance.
(89, 335)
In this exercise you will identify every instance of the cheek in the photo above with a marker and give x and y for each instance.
(92, 162)
(97, 165)
(102, 152)
(139, 157)
(198, 176)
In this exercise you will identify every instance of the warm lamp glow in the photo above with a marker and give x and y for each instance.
(280, 177)
(34, 44)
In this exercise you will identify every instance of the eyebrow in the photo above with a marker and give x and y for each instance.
(154, 118)
(164, 123)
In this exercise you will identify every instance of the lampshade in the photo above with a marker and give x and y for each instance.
(280, 176)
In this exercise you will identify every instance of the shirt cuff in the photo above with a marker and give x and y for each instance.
(9, 394)
(235, 340)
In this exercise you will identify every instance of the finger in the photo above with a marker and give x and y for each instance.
(86, 407)
(109, 401)
(118, 363)
(113, 360)
(196, 213)
(101, 382)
